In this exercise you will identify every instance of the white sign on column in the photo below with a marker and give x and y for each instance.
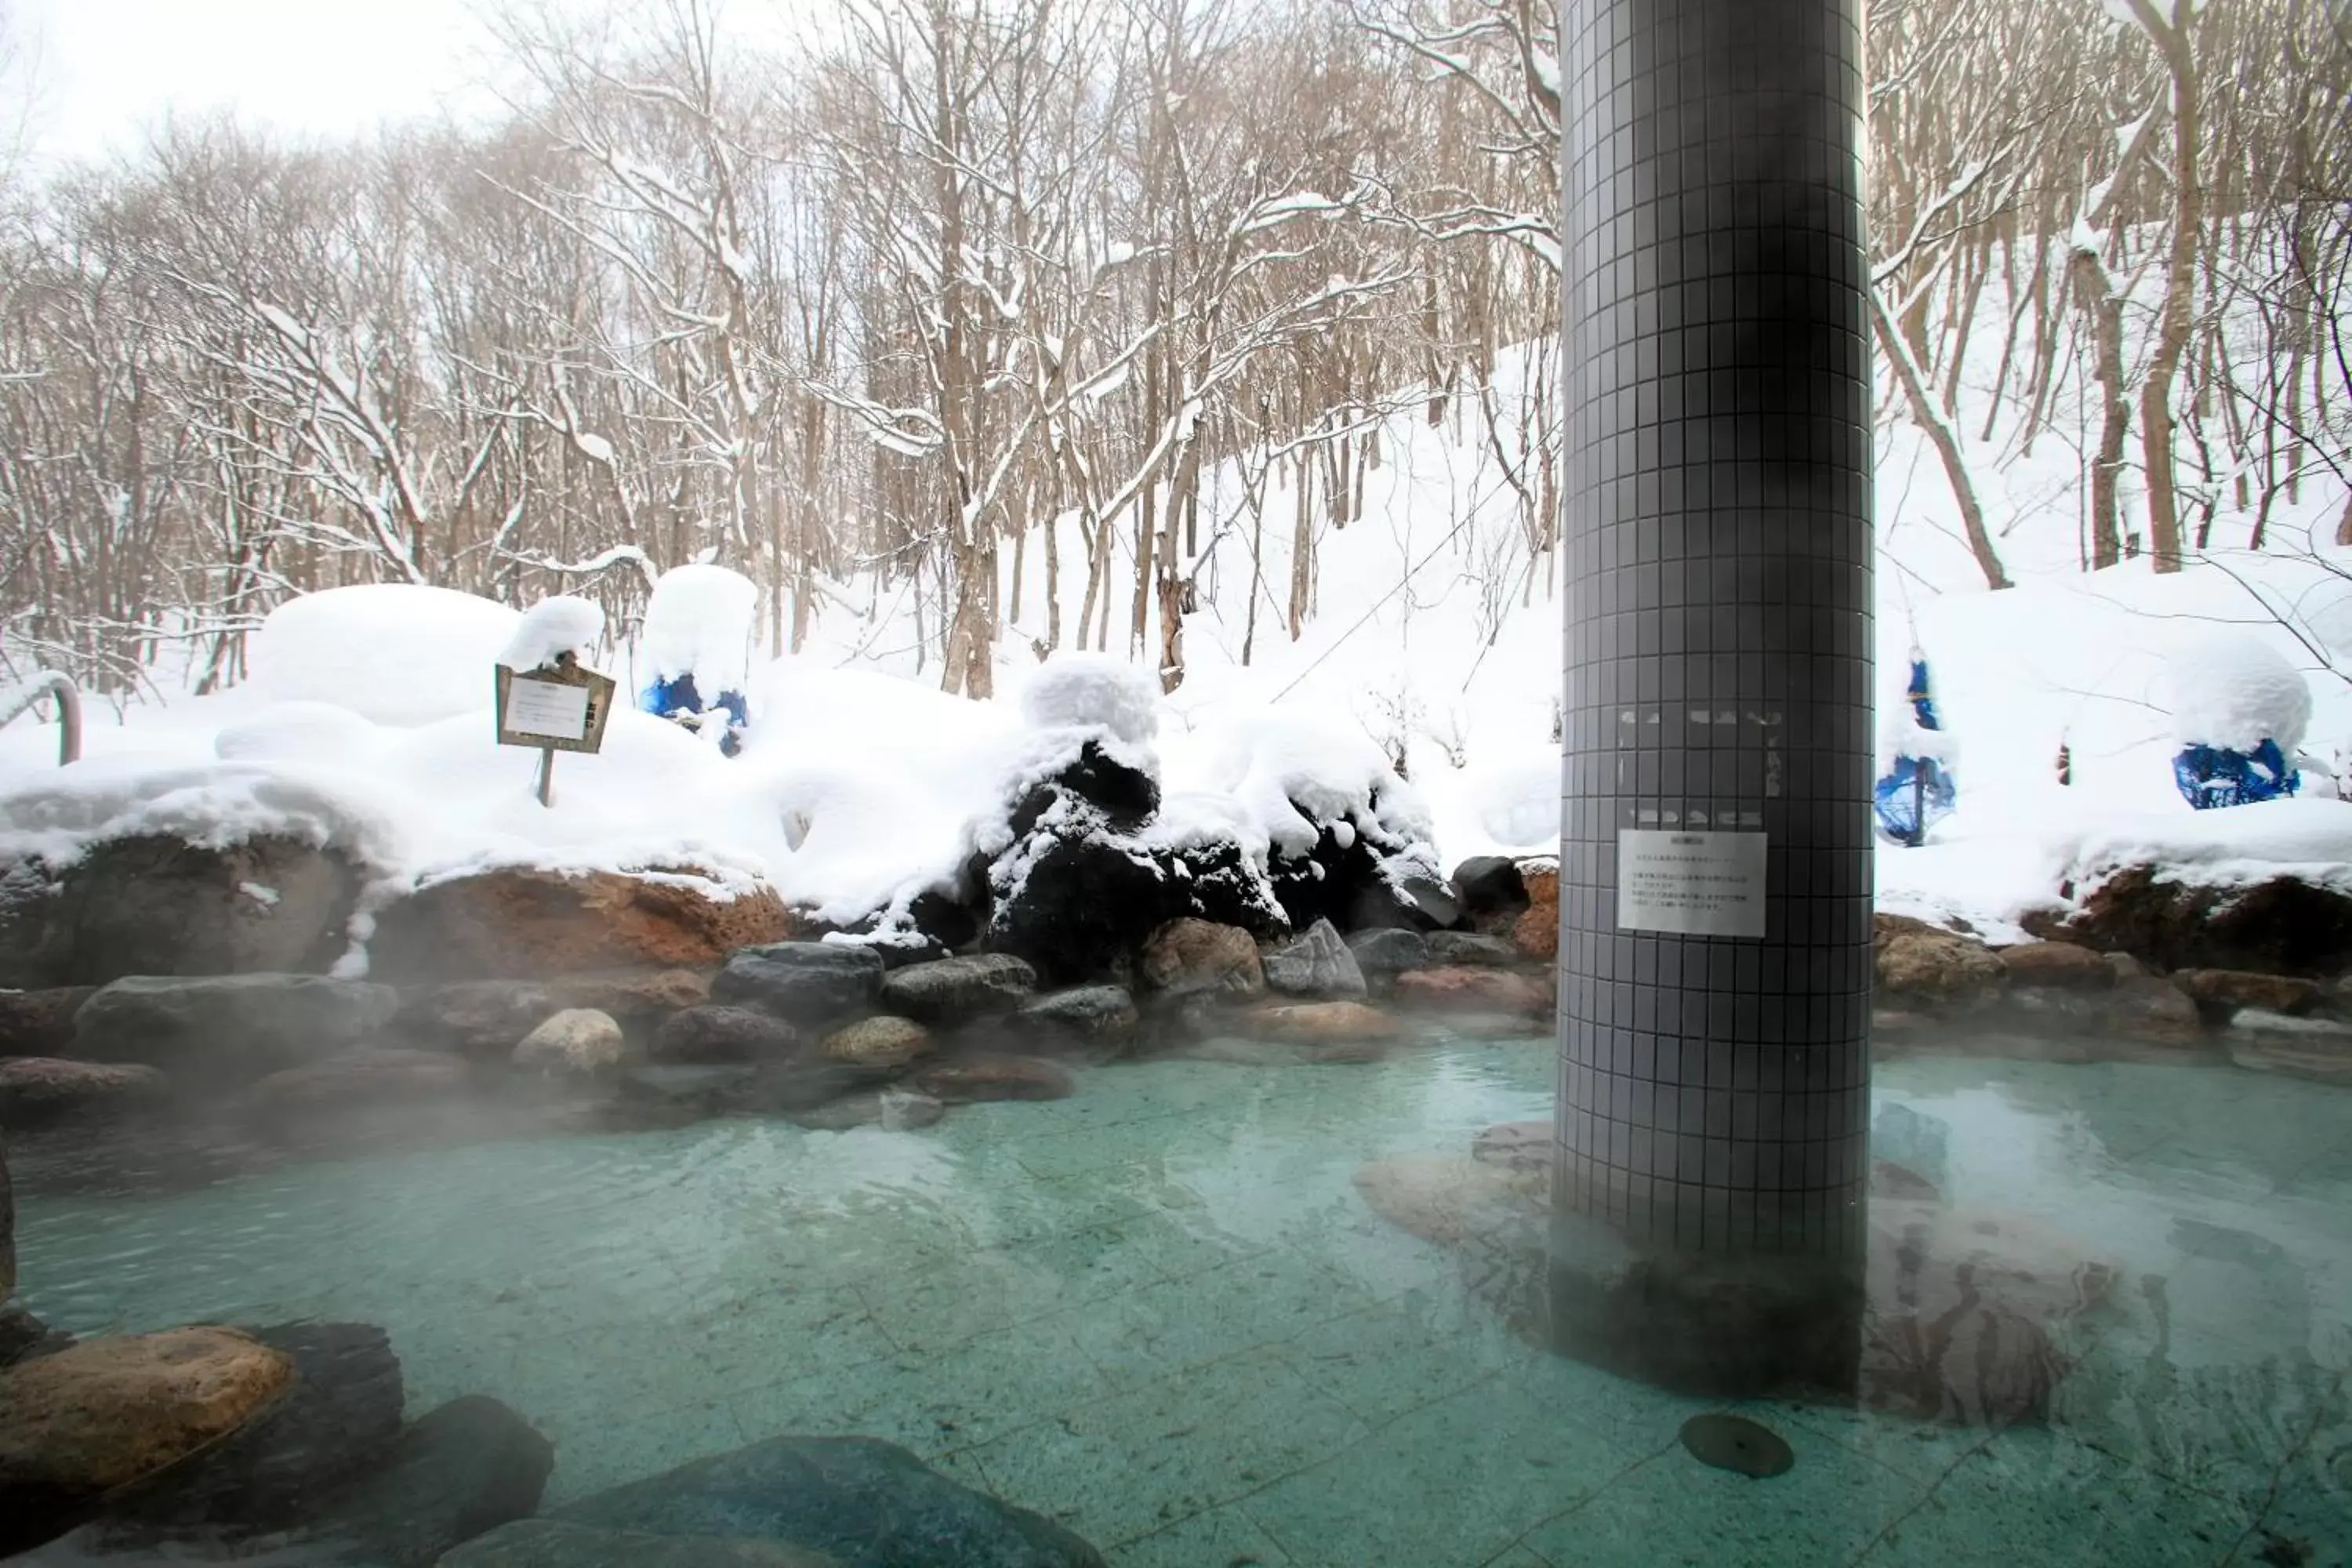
(1690, 884)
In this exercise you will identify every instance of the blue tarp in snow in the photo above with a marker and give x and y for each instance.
(2211, 776)
(1917, 792)
(678, 700)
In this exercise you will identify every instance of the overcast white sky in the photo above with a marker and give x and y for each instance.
(106, 69)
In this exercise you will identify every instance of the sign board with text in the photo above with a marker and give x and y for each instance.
(1690, 884)
(559, 707)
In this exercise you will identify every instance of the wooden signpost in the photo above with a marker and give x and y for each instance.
(557, 708)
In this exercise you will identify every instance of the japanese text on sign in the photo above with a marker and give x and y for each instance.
(1690, 884)
(547, 708)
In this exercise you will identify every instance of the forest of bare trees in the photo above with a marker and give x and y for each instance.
(956, 281)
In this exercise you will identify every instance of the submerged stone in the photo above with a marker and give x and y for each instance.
(552, 1544)
(892, 1109)
(865, 1502)
(1735, 1443)
(805, 983)
(227, 1030)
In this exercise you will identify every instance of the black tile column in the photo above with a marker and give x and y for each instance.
(1715, 856)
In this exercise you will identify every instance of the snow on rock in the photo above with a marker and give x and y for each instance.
(552, 627)
(2310, 840)
(391, 652)
(56, 816)
(1094, 691)
(1296, 775)
(2228, 690)
(699, 623)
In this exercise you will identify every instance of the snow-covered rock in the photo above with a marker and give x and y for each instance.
(1094, 691)
(699, 622)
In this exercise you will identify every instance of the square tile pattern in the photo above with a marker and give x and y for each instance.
(1161, 1312)
(1718, 541)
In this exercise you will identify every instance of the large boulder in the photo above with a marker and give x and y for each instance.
(459, 1471)
(39, 1092)
(718, 1035)
(1922, 966)
(552, 1544)
(112, 1412)
(39, 1023)
(578, 1044)
(952, 991)
(865, 1502)
(1075, 900)
(521, 923)
(156, 905)
(1194, 957)
(1121, 793)
(1318, 964)
(339, 1418)
(227, 1030)
(810, 983)
(2282, 926)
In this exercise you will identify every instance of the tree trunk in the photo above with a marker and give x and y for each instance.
(1929, 416)
(2179, 290)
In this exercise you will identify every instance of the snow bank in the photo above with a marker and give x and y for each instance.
(393, 653)
(56, 818)
(2231, 691)
(2308, 839)
(552, 629)
(699, 623)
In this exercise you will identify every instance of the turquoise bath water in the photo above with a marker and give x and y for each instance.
(1161, 1312)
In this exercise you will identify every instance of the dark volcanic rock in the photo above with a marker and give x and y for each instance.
(339, 1417)
(1388, 951)
(227, 1030)
(459, 1471)
(2283, 926)
(866, 1503)
(1412, 900)
(717, 1034)
(804, 983)
(1094, 1016)
(953, 991)
(987, 1075)
(1318, 964)
(1084, 900)
(486, 1019)
(39, 1023)
(39, 1091)
(159, 905)
(1125, 796)
(1455, 949)
(1490, 890)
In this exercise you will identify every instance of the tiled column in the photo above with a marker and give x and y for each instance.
(1716, 859)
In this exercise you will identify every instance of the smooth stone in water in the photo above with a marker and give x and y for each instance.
(1735, 1443)
(1316, 1022)
(990, 1077)
(1489, 886)
(892, 1109)
(459, 1471)
(878, 1045)
(1097, 1014)
(950, 991)
(714, 1035)
(577, 1043)
(867, 1503)
(1188, 957)
(1464, 990)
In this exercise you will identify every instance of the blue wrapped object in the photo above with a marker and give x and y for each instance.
(2211, 776)
(678, 701)
(1917, 793)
